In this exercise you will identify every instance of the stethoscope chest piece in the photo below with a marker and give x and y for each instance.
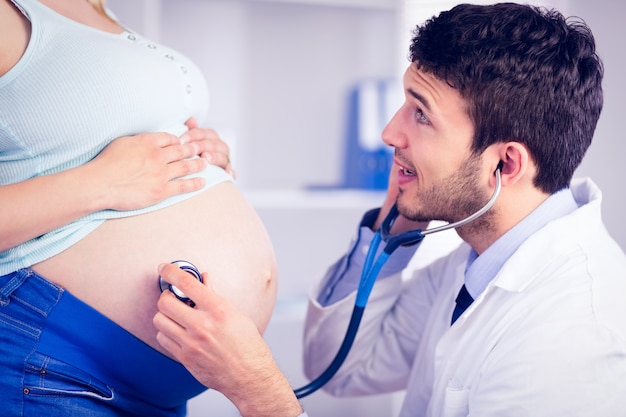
(187, 267)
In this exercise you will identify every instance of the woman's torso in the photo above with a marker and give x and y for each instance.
(114, 267)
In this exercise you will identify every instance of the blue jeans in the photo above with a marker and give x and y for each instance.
(59, 357)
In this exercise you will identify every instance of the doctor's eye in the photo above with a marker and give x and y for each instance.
(420, 117)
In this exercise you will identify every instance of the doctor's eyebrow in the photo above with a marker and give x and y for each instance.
(420, 98)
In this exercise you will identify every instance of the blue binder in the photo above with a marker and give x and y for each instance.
(367, 159)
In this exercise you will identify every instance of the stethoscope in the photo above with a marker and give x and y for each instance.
(371, 269)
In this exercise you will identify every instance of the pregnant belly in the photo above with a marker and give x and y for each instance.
(114, 269)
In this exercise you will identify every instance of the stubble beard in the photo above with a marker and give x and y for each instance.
(451, 200)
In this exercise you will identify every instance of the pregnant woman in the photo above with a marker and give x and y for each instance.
(102, 178)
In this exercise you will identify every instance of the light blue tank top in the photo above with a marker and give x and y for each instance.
(74, 90)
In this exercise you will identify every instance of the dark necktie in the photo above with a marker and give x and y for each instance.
(463, 300)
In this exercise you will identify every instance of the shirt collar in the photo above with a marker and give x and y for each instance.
(480, 270)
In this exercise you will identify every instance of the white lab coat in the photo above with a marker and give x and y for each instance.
(546, 338)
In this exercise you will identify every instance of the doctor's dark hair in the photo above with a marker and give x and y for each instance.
(527, 75)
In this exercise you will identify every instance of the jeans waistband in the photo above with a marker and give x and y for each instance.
(41, 298)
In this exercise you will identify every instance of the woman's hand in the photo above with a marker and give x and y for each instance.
(215, 150)
(137, 171)
(133, 172)
(221, 347)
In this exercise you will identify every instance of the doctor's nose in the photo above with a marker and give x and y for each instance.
(391, 134)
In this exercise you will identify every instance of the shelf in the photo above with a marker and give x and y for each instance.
(332, 199)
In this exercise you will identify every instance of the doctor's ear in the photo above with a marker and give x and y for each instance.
(516, 163)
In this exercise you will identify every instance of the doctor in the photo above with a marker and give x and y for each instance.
(526, 317)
